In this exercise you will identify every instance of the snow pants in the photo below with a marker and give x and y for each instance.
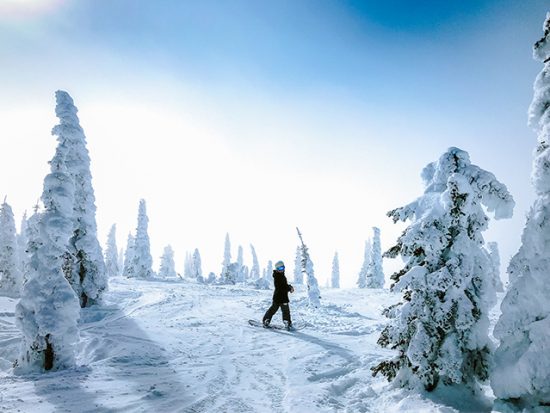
(273, 309)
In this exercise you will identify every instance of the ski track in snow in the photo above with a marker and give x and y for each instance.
(182, 347)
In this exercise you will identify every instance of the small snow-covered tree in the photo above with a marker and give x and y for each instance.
(211, 278)
(335, 279)
(84, 266)
(167, 264)
(264, 282)
(225, 277)
(128, 267)
(111, 254)
(255, 270)
(440, 328)
(120, 260)
(33, 240)
(375, 273)
(22, 240)
(196, 266)
(11, 278)
(242, 271)
(492, 250)
(49, 309)
(521, 373)
(362, 279)
(313, 292)
(298, 275)
(142, 262)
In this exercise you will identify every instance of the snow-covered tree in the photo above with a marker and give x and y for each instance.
(492, 250)
(375, 273)
(142, 262)
(32, 234)
(111, 254)
(362, 279)
(128, 267)
(196, 266)
(298, 275)
(22, 240)
(440, 329)
(167, 264)
(521, 373)
(211, 278)
(242, 270)
(255, 270)
(313, 293)
(84, 266)
(264, 282)
(11, 278)
(49, 309)
(335, 279)
(120, 260)
(225, 277)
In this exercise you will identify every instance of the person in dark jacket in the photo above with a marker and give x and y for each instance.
(280, 296)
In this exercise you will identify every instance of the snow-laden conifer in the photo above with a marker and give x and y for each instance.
(11, 278)
(264, 282)
(492, 250)
(196, 266)
(521, 371)
(211, 278)
(225, 277)
(313, 292)
(375, 273)
(49, 309)
(128, 267)
(32, 235)
(335, 279)
(84, 266)
(362, 278)
(22, 240)
(255, 270)
(440, 329)
(121, 255)
(241, 269)
(298, 275)
(111, 254)
(142, 262)
(167, 264)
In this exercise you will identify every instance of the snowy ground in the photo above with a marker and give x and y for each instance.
(182, 347)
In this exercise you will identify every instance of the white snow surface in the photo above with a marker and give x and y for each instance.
(158, 346)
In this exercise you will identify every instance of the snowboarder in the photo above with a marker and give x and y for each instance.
(280, 296)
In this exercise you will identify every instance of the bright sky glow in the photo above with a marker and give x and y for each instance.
(252, 118)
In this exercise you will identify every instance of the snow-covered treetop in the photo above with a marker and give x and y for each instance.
(436, 175)
(541, 49)
(66, 111)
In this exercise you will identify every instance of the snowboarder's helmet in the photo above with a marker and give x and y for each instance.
(280, 266)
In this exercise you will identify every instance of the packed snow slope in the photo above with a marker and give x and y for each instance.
(156, 346)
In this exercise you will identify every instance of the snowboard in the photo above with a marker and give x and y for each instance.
(295, 326)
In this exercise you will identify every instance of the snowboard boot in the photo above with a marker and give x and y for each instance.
(288, 326)
(266, 323)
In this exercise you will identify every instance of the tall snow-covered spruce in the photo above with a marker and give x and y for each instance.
(521, 373)
(298, 275)
(84, 266)
(440, 328)
(111, 254)
(255, 270)
(313, 292)
(227, 276)
(375, 273)
(362, 278)
(11, 278)
(196, 266)
(494, 256)
(142, 262)
(128, 267)
(48, 311)
(335, 279)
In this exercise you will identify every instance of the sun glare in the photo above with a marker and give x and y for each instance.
(15, 8)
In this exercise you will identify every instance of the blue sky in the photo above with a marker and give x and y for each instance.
(348, 99)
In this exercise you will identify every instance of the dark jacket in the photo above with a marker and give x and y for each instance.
(282, 287)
